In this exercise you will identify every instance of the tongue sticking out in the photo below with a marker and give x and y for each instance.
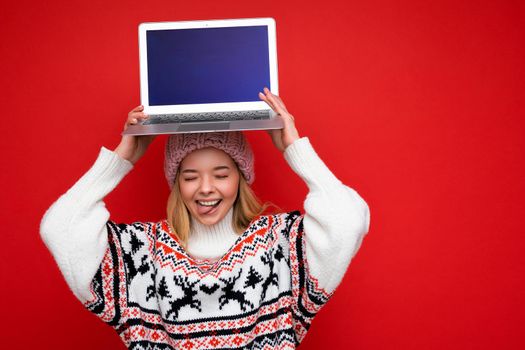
(203, 210)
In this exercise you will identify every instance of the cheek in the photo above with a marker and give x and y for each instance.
(231, 188)
(186, 191)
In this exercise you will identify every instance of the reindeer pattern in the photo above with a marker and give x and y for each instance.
(244, 289)
(188, 298)
(179, 295)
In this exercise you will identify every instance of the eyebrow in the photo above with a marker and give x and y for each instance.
(221, 167)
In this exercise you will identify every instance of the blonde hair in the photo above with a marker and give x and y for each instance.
(246, 207)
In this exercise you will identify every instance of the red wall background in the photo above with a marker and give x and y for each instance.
(422, 110)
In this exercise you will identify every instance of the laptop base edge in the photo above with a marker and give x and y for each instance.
(180, 128)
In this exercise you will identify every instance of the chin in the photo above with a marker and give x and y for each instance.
(208, 222)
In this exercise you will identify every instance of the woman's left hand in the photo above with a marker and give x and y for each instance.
(284, 137)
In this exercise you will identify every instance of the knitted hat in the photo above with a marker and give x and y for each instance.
(234, 143)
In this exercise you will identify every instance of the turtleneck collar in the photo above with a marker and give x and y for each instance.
(211, 242)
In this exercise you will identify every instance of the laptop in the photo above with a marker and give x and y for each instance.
(204, 76)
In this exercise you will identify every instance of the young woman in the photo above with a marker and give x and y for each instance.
(216, 273)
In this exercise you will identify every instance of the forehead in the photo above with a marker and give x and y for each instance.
(205, 158)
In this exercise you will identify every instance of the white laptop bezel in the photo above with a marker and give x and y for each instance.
(207, 107)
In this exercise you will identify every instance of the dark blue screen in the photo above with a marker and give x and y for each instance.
(207, 65)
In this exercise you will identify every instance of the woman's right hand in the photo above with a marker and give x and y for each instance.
(131, 147)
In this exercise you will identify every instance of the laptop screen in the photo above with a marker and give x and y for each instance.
(207, 65)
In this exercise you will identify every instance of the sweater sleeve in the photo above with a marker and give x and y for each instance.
(336, 218)
(74, 228)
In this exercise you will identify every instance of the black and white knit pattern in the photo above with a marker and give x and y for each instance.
(258, 295)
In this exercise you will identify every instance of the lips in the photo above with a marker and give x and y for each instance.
(208, 206)
(209, 202)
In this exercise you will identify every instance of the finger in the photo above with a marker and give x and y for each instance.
(265, 99)
(271, 97)
(132, 121)
(138, 109)
(271, 103)
(281, 102)
(138, 115)
(283, 106)
(133, 118)
(278, 99)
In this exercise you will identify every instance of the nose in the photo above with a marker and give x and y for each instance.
(207, 185)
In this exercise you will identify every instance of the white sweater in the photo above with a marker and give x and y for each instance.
(336, 220)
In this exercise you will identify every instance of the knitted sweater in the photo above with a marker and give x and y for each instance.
(262, 292)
